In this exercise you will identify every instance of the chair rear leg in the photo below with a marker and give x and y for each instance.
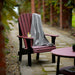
(53, 58)
(29, 59)
(37, 57)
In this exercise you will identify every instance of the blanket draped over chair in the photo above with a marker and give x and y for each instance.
(37, 31)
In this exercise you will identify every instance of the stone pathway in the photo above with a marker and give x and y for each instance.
(43, 66)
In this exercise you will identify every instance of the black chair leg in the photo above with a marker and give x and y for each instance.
(20, 57)
(53, 58)
(37, 57)
(29, 59)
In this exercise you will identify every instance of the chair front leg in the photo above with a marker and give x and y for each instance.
(29, 41)
(20, 49)
(53, 39)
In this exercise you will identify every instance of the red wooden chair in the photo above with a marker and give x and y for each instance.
(24, 27)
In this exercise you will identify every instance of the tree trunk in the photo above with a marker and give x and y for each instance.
(2, 56)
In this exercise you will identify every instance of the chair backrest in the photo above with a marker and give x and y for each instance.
(25, 23)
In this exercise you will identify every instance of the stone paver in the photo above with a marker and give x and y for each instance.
(50, 69)
(43, 56)
(51, 74)
(54, 74)
(44, 60)
(60, 44)
(26, 70)
(51, 65)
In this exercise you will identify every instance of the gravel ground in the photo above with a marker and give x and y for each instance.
(12, 52)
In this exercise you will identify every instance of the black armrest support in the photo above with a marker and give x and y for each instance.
(28, 41)
(53, 37)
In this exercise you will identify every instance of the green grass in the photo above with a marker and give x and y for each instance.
(73, 20)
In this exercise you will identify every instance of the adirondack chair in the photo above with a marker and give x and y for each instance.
(24, 27)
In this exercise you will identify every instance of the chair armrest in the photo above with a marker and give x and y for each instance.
(28, 41)
(24, 37)
(51, 35)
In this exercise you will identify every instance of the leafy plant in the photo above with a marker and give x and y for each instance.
(8, 13)
(25, 6)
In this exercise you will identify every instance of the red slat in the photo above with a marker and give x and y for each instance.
(41, 49)
(20, 23)
(25, 24)
(29, 23)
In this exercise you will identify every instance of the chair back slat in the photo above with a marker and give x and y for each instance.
(20, 23)
(25, 24)
(29, 19)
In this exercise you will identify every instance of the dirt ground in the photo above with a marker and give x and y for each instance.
(12, 51)
(12, 48)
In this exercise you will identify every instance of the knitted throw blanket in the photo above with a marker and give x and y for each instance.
(37, 32)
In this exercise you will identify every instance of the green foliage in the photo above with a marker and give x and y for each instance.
(36, 5)
(73, 18)
(8, 13)
(25, 6)
(47, 13)
(6, 40)
(41, 12)
(68, 3)
(7, 52)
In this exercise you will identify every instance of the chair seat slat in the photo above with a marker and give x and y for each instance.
(41, 49)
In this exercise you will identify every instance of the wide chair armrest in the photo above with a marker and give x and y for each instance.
(24, 37)
(53, 37)
(28, 41)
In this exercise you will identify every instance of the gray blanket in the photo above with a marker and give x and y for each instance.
(37, 31)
